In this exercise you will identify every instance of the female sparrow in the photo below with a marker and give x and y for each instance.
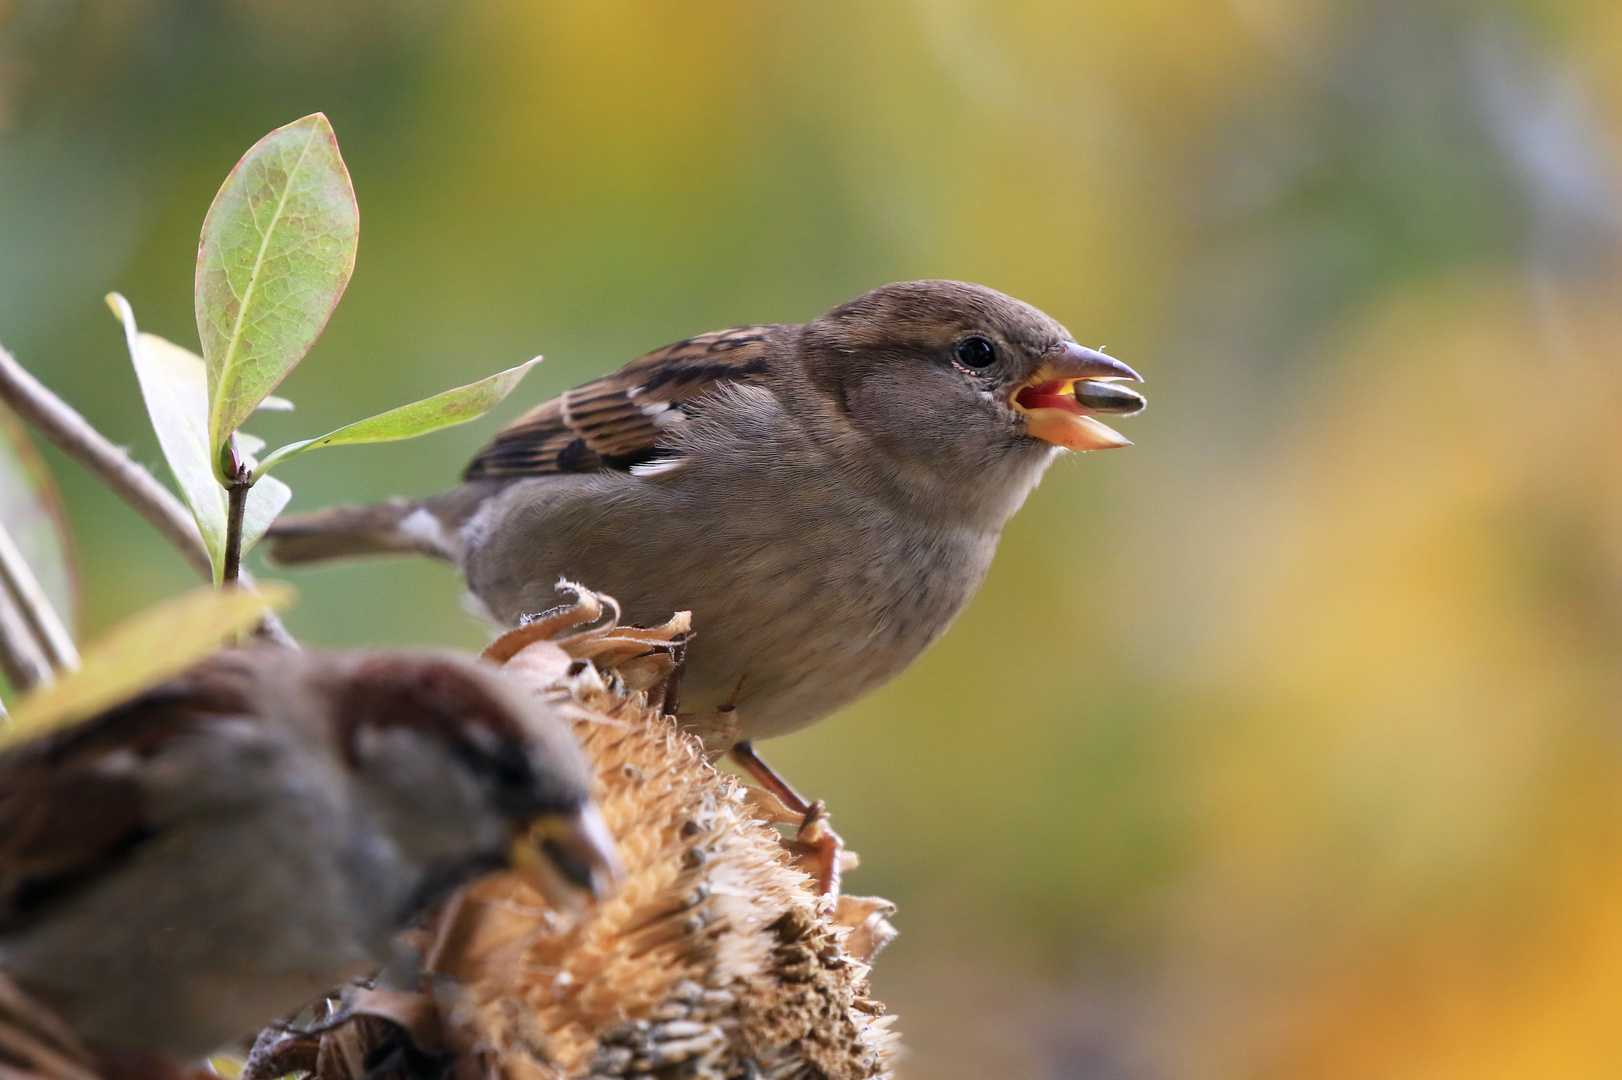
(824, 497)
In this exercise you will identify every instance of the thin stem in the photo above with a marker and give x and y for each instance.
(62, 425)
(72, 434)
(21, 658)
(36, 609)
(236, 506)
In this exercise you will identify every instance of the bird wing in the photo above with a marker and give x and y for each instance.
(71, 804)
(615, 422)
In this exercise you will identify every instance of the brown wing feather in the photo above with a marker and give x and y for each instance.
(69, 809)
(615, 422)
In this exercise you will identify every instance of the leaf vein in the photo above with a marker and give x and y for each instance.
(242, 308)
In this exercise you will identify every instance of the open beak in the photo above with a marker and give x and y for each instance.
(1058, 410)
(569, 857)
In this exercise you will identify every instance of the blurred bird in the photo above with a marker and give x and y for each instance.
(823, 497)
(188, 866)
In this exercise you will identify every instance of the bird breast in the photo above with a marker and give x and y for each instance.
(809, 583)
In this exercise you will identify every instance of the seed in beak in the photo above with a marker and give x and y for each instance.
(1107, 397)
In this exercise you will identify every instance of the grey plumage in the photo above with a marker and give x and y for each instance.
(347, 530)
(824, 498)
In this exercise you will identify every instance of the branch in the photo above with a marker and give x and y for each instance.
(36, 609)
(128, 479)
(21, 660)
(72, 434)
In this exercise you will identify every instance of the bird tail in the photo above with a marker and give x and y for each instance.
(398, 526)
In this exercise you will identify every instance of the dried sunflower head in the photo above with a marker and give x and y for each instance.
(715, 959)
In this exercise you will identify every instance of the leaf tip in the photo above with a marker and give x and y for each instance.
(316, 120)
(125, 314)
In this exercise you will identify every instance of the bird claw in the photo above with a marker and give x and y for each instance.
(824, 850)
(819, 849)
(650, 659)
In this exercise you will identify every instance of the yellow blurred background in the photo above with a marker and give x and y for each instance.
(1284, 744)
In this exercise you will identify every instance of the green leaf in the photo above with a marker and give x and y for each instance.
(143, 651)
(277, 249)
(32, 512)
(174, 383)
(443, 410)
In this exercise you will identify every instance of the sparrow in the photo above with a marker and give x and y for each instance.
(211, 855)
(824, 498)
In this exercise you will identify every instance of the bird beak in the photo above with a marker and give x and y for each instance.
(1057, 410)
(567, 856)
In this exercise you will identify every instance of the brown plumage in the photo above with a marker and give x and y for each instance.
(615, 422)
(208, 856)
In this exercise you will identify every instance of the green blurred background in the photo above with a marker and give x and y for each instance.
(1286, 743)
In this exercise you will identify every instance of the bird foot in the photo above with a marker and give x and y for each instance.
(823, 850)
(819, 850)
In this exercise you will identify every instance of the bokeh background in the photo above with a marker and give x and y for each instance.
(1284, 744)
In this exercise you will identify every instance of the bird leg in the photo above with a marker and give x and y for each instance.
(743, 755)
(815, 838)
(669, 687)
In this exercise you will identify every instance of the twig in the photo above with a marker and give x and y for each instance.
(62, 425)
(270, 628)
(72, 434)
(235, 507)
(36, 608)
(21, 659)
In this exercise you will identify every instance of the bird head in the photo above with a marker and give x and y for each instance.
(475, 774)
(955, 374)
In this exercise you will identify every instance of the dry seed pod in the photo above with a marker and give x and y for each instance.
(714, 960)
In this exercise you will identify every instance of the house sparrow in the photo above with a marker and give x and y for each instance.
(207, 857)
(823, 497)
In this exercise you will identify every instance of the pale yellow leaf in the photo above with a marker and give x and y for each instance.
(141, 652)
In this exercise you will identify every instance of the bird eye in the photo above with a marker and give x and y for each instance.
(976, 352)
